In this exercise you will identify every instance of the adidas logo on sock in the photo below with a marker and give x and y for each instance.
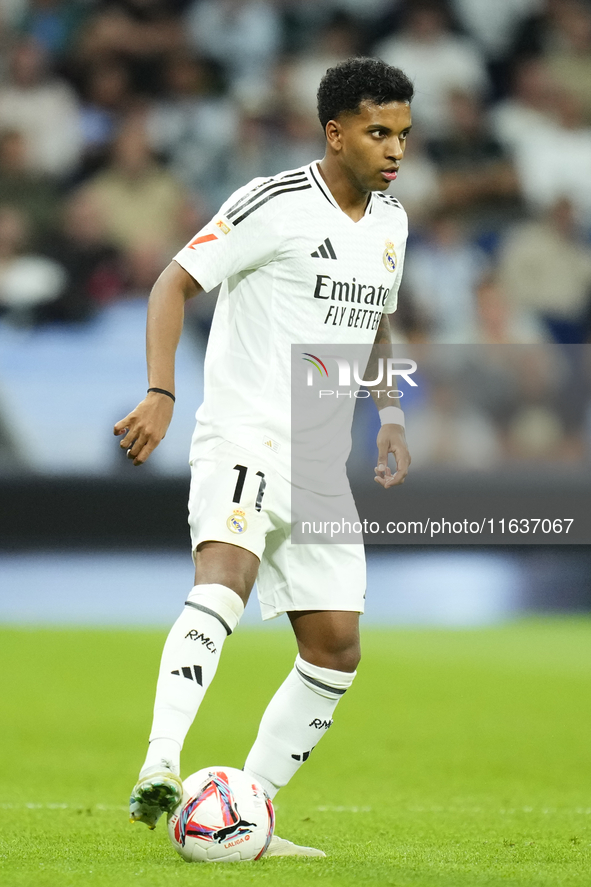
(187, 673)
(304, 756)
(324, 251)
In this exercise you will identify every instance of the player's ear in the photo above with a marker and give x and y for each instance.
(334, 133)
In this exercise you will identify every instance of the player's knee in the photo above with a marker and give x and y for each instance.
(345, 651)
(228, 565)
(338, 657)
(347, 659)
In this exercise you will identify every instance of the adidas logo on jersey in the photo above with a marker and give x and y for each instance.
(324, 251)
(187, 673)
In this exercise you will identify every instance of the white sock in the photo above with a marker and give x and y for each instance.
(188, 665)
(294, 722)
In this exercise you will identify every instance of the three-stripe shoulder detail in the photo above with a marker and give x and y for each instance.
(276, 193)
(389, 200)
(272, 180)
(264, 192)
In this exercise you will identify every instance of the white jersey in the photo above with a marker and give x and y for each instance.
(294, 268)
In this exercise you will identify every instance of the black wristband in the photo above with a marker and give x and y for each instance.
(163, 391)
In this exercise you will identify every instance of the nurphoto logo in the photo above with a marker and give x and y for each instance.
(387, 370)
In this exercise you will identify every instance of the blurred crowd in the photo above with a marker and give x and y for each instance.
(489, 408)
(125, 123)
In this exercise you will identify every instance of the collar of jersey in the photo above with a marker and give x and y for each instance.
(317, 179)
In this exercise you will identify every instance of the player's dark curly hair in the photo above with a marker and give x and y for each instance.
(355, 80)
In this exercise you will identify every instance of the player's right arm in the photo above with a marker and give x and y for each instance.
(239, 238)
(147, 424)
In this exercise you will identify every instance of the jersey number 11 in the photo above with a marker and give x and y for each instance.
(242, 469)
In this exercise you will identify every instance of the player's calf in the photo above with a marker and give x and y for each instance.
(295, 721)
(189, 662)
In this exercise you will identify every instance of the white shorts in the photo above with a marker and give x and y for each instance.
(239, 498)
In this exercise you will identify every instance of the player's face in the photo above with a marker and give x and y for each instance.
(372, 143)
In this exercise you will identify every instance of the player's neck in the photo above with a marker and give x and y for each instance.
(351, 200)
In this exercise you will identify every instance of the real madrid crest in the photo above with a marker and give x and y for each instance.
(390, 260)
(237, 522)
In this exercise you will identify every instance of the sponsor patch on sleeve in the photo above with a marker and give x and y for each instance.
(204, 238)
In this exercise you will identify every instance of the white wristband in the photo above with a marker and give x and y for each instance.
(391, 416)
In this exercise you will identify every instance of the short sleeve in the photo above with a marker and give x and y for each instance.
(241, 237)
(392, 300)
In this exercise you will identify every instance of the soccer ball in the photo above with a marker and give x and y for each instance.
(225, 816)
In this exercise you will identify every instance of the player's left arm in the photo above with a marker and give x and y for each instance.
(391, 437)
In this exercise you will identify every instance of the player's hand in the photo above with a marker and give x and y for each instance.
(391, 439)
(145, 426)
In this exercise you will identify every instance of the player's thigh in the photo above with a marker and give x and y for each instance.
(223, 564)
(227, 522)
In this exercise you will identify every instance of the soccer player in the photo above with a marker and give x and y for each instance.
(282, 249)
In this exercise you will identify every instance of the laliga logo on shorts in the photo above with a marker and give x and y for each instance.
(237, 522)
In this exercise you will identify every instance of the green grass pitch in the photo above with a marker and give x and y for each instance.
(459, 759)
